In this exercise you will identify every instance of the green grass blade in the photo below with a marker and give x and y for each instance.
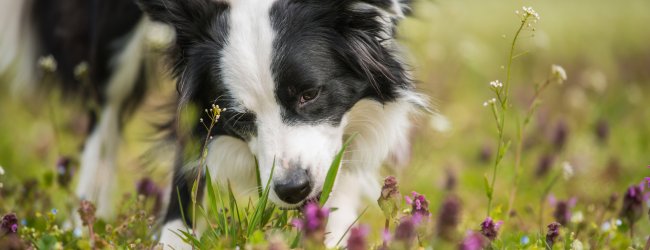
(350, 226)
(234, 210)
(212, 199)
(180, 203)
(296, 241)
(261, 206)
(188, 238)
(333, 171)
(259, 178)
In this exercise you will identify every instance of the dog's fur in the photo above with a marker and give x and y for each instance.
(260, 60)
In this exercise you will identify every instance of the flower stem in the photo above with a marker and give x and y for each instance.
(502, 116)
(520, 141)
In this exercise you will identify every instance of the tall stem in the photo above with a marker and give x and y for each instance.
(504, 108)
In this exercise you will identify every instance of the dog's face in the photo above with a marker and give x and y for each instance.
(287, 72)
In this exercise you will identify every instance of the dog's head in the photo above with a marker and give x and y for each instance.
(287, 72)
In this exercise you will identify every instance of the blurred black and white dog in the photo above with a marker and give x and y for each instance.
(104, 39)
(296, 78)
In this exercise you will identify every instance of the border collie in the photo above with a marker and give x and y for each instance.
(295, 79)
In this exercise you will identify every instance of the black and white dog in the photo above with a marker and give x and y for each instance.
(296, 77)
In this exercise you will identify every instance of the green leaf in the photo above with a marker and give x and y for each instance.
(350, 226)
(488, 189)
(259, 178)
(234, 209)
(212, 199)
(333, 171)
(296, 241)
(261, 205)
(188, 238)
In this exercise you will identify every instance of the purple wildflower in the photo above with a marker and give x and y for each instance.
(448, 217)
(552, 234)
(485, 155)
(602, 131)
(562, 213)
(560, 135)
(389, 199)
(357, 239)
(472, 241)
(315, 216)
(490, 229)
(632, 204)
(9, 224)
(544, 165)
(419, 205)
(313, 223)
(147, 188)
(405, 230)
(64, 171)
(450, 180)
(386, 236)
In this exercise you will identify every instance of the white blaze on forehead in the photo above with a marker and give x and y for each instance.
(246, 70)
(246, 58)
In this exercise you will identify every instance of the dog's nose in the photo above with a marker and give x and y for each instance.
(294, 187)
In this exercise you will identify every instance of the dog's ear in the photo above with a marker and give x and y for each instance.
(188, 17)
(369, 28)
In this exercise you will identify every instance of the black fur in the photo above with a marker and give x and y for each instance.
(77, 31)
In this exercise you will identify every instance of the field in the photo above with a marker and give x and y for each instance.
(581, 160)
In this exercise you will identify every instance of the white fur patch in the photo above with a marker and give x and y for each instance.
(98, 160)
(381, 130)
(229, 159)
(18, 53)
(246, 58)
(169, 236)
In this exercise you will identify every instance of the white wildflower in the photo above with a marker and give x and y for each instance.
(577, 217)
(47, 63)
(2, 171)
(567, 170)
(496, 84)
(576, 245)
(606, 226)
(558, 72)
(489, 102)
(530, 12)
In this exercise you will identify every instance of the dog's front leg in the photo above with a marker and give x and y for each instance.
(346, 198)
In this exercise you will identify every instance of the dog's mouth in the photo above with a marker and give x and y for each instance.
(300, 206)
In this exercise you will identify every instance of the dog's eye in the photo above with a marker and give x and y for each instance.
(309, 95)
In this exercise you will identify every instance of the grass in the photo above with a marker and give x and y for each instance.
(456, 47)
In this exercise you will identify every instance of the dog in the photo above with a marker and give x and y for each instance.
(294, 80)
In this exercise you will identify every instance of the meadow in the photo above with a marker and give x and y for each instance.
(551, 128)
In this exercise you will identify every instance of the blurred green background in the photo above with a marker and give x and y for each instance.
(456, 47)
